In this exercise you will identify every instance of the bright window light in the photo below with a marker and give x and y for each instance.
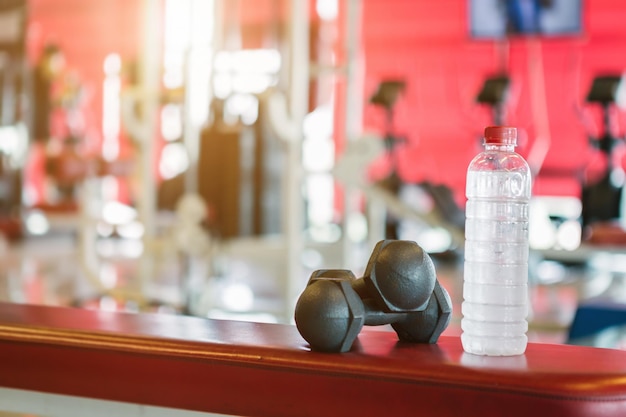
(222, 85)
(569, 234)
(256, 60)
(202, 21)
(357, 227)
(117, 213)
(173, 78)
(198, 97)
(251, 83)
(327, 9)
(171, 122)
(37, 223)
(223, 61)
(318, 154)
(177, 27)
(319, 123)
(177, 33)
(435, 240)
(132, 230)
(174, 160)
(245, 106)
(238, 297)
(9, 139)
(245, 71)
(320, 208)
(112, 64)
(104, 229)
(188, 33)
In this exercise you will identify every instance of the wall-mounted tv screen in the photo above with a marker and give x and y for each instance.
(498, 19)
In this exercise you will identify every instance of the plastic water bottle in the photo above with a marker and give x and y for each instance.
(495, 279)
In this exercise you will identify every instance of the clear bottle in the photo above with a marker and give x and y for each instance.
(495, 278)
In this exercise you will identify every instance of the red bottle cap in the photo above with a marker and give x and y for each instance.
(501, 135)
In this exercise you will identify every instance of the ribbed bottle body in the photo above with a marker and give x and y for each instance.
(495, 276)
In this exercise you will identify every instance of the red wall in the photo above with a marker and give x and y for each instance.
(86, 31)
(428, 44)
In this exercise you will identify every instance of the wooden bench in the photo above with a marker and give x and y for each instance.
(255, 369)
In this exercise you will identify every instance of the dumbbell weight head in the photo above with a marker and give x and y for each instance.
(400, 276)
(427, 325)
(329, 313)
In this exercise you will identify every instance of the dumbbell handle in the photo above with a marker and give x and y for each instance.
(360, 286)
(375, 317)
(379, 317)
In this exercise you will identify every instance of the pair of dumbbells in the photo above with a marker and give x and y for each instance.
(399, 287)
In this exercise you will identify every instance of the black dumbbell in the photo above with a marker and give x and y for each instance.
(330, 315)
(334, 306)
(400, 276)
